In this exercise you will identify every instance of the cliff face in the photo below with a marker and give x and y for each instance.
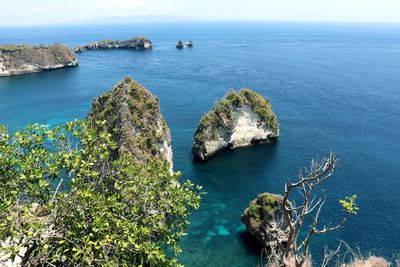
(133, 115)
(23, 59)
(137, 43)
(239, 119)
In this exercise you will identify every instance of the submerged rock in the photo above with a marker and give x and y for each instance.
(24, 59)
(264, 219)
(239, 119)
(133, 115)
(136, 43)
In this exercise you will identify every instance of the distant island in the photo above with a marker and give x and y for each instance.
(136, 43)
(24, 59)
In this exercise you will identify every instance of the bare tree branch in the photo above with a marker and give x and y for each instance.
(294, 216)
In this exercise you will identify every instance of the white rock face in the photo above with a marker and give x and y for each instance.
(25, 68)
(212, 147)
(248, 128)
(165, 147)
(3, 70)
(30, 68)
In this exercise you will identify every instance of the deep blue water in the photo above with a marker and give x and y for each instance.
(332, 86)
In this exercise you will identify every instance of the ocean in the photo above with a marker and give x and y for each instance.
(332, 86)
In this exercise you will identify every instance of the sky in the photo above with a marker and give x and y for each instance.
(33, 12)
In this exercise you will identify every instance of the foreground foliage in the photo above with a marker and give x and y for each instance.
(65, 202)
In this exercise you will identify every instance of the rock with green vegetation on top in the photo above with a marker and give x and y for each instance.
(24, 59)
(239, 119)
(133, 116)
(136, 43)
(264, 219)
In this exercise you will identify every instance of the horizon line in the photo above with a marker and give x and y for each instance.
(194, 20)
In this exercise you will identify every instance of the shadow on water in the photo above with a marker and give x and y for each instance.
(253, 247)
(244, 155)
(228, 171)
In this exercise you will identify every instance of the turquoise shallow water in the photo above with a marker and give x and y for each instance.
(331, 86)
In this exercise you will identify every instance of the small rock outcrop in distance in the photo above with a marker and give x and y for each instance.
(180, 45)
(24, 59)
(136, 43)
(239, 119)
(262, 219)
(133, 116)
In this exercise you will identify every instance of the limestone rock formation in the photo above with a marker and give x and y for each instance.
(133, 115)
(264, 220)
(239, 119)
(23, 59)
(136, 43)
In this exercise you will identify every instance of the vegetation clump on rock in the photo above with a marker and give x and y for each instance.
(22, 59)
(239, 119)
(261, 219)
(133, 116)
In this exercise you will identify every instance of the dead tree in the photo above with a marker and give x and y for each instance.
(297, 252)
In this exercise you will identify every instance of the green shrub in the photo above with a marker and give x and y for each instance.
(64, 199)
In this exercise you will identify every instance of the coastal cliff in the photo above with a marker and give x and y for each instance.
(23, 59)
(136, 43)
(239, 119)
(133, 115)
